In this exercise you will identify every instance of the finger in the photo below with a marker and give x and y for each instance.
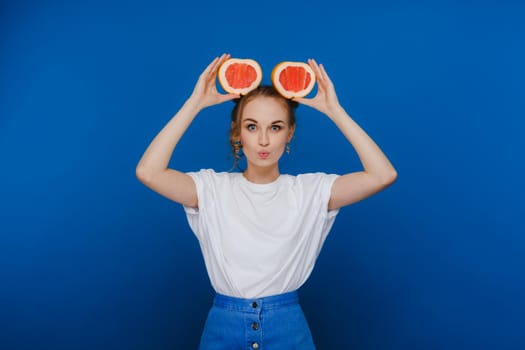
(324, 73)
(323, 80)
(232, 96)
(205, 75)
(210, 73)
(313, 64)
(299, 99)
(224, 57)
(303, 101)
(228, 97)
(212, 68)
(318, 73)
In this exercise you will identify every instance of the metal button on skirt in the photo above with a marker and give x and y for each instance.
(270, 323)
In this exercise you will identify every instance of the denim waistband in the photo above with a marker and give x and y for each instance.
(256, 304)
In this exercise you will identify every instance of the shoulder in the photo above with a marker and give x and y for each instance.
(210, 176)
(310, 182)
(317, 178)
(317, 185)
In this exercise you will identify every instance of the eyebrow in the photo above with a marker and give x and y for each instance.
(255, 121)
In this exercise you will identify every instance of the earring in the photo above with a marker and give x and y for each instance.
(237, 147)
(288, 148)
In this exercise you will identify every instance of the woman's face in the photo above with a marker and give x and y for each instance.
(265, 130)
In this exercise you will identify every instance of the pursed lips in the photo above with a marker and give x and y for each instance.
(263, 155)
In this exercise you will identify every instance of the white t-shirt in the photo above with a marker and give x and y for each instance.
(260, 239)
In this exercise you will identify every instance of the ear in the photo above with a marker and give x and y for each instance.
(290, 133)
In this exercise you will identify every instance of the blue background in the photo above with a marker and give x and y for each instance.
(92, 259)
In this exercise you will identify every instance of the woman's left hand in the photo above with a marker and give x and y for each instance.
(325, 101)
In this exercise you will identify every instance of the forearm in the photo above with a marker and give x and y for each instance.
(372, 158)
(158, 154)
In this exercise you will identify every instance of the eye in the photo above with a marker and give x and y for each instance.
(251, 127)
(276, 127)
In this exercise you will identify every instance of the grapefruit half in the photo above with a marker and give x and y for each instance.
(239, 75)
(293, 79)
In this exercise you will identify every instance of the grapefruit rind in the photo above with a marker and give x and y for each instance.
(223, 81)
(279, 68)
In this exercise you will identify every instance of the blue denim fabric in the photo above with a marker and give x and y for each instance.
(270, 323)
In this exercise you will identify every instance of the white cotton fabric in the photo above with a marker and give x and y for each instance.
(259, 240)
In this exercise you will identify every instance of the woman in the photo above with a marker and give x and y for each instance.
(260, 231)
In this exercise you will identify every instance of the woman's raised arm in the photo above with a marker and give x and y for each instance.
(152, 169)
(378, 172)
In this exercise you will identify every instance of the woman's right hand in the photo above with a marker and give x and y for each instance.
(205, 93)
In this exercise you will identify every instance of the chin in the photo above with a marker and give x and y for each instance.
(263, 163)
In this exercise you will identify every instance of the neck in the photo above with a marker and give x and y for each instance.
(261, 175)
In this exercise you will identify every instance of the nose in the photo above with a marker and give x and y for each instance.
(264, 140)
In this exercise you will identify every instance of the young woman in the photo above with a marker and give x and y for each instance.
(261, 231)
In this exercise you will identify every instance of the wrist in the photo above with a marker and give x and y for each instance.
(193, 105)
(337, 112)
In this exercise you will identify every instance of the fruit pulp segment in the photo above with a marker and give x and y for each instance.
(240, 75)
(294, 79)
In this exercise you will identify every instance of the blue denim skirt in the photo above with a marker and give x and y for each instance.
(270, 323)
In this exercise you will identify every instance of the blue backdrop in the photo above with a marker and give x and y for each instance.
(92, 259)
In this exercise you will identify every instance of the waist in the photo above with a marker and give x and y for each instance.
(256, 304)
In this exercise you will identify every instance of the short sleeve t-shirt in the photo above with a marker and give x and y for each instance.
(260, 239)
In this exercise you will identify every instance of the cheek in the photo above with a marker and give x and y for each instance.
(286, 137)
(244, 137)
